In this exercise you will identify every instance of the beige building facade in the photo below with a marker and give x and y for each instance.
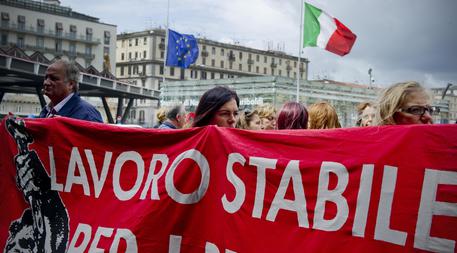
(140, 60)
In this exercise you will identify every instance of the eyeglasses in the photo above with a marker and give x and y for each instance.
(420, 110)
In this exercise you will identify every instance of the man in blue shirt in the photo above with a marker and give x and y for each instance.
(61, 86)
(176, 118)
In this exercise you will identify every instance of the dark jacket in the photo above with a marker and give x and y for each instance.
(77, 108)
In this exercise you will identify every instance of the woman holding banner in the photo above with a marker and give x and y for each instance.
(403, 104)
(218, 106)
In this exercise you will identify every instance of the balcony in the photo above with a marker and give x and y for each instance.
(46, 50)
(49, 33)
(273, 65)
(205, 53)
(250, 61)
(231, 57)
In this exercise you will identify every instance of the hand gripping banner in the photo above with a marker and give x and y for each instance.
(77, 186)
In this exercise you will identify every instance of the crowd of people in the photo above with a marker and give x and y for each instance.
(399, 104)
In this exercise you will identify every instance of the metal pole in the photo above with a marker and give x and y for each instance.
(299, 51)
(166, 42)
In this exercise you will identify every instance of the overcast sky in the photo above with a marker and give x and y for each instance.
(399, 39)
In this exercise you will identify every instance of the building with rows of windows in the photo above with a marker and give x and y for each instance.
(140, 59)
(44, 31)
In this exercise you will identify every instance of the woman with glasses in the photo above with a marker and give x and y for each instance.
(249, 120)
(218, 106)
(404, 103)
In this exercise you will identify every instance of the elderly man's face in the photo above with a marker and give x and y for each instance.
(56, 85)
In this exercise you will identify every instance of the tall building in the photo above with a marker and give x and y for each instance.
(140, 57)
(57, 31)
(44, 31)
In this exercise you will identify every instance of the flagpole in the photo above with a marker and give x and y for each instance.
(299, 52)
(166, 42)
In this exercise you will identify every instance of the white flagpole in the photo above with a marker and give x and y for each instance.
(299, 51)
(166, 42)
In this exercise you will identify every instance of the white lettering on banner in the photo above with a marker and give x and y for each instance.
(99, 181)
(262, 165)
(121, 159)
(85, 231)
(174, 246)
(76, 162)
(430, 207)
(382, 230)
(291, 173)
(52, 163)
(151, 181)
(240, 188)
(335, 196)
(197, 195)
(363, 201)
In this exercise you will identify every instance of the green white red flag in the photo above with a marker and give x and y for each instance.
(327, 32)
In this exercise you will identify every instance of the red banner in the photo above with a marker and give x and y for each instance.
(89, 187)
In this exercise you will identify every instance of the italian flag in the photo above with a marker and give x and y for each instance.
(325, 31)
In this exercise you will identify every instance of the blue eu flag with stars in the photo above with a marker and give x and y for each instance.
(182, 49)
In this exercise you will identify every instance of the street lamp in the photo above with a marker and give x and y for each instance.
(445, 90)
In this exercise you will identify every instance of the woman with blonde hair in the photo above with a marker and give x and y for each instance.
(267, 114)
(404, 103)
(322, 115)
(249, 120)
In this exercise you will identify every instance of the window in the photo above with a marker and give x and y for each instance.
(135, 69)
(272, 72)
(264, 71)
(295, 64)
(249, 68)
(130, 42)
(129, 70)
(106, 51)
(162, 54)
(88, 50)
(213, 51)
(130, 55)
(122, 56)
(4, 40)
(73, 31)
(40, 25)
(136, 55)
(5, 19)
(279, 72)
(212, 75)
(59, 29)
(161, 70)
(141, 117)
(280, 61)
(107, 38)
(203, 75)
(240, 67)
(172, 71)
(264, 59)
(213, 62)
(241, 55)
(21, 22)
(39, 42)
(204, 61)
(222, 52)
(230, 65)
(257, 58)
(20, 41)
(145, 41)
(144, 54)
(136, 42)
(89, 34)
(222, 64)
(58, 45)
(257, 69)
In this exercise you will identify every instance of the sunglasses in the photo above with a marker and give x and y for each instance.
(420, 110)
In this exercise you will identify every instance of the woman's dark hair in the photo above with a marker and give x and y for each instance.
(293, 115)
(210, 103)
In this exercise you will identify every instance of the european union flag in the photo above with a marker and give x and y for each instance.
(182, 49)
